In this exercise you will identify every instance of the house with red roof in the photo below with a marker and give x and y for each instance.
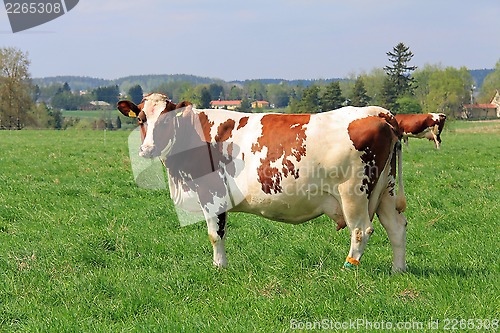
(229, 105)
(234, 104)
(483, 111)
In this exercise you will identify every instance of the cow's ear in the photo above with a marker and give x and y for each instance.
(128, 109)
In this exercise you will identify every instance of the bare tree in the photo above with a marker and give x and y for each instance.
(15, 88)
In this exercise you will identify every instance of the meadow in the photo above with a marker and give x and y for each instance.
(83, 249)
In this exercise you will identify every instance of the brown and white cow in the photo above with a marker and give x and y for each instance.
(289, 168)
(429, 125)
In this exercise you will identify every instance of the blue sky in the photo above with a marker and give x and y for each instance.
(233, 39)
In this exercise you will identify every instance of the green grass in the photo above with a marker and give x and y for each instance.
(83, 249)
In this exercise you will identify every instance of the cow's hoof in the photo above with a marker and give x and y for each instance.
(348, 265)
(351, 263)
(220, 265)
(398, 270)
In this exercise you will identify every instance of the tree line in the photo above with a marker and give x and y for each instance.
(399, 87)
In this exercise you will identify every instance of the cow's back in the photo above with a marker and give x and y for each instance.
(294, 164)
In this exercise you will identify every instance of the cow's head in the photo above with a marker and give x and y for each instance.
(437, 121)
(155, 111)
(441, 121)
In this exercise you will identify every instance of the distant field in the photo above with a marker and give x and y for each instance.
(83, 249)
(94, 114)
(479, 126)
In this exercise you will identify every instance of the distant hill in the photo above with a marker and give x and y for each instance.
(150, 82)
(147, 82)
(479, 74)
(75, 82)
(304, 83)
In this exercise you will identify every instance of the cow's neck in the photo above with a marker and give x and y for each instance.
(197, 126)
(192, 155)
(191, 132)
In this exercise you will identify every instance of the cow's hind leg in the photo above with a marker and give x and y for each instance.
(355, 208)
(216, 233)
(394, 223)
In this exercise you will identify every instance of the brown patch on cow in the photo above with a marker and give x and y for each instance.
(284, 137)
(358, 235)
(230, 166)
(170, 106)
(393, 122)
(392, 182)
(369, 230)
(242, 123)
(373, 137)
(212, 240)
(224, 131)
(391, 186)
(206, 126)
(183, 104)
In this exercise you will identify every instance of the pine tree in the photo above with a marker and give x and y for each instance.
(400, 72)
(135, 93)
(245, 106)
(309, 103)
(66, 87)
(332, 98)
(389, 95)
(205, 98)
(359, 96)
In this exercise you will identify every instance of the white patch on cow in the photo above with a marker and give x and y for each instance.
(435, 116)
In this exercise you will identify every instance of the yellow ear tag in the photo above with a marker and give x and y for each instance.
(179, 114)
(132, 114)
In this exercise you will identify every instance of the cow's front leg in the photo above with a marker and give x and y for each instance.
(216, 233)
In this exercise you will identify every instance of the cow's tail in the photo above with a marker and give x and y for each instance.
(400, 197)
(393, 123)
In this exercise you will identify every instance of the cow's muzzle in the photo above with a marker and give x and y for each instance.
(148, 151)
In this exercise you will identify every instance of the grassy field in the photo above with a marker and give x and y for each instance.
(92, 114)
(83, 249)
